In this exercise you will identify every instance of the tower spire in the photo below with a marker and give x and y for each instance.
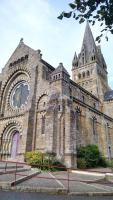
(89, 68)
(88, 42)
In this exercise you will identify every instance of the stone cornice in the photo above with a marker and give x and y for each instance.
(12, 116)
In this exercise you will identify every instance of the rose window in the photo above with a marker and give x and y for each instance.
(20, 95)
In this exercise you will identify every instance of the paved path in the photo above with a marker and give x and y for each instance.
(75, 186)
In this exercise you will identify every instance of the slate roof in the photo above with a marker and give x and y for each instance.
(108, 95)
(47, 64)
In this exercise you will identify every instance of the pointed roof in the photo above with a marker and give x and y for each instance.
(19, 52)
(59, 69)
(88, 41)
(75, 57)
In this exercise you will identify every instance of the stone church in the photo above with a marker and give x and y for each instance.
(42, 109)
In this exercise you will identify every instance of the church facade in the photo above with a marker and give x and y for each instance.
(42, 109)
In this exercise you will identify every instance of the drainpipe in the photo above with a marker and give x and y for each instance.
(107, 138)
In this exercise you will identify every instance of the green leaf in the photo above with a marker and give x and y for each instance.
(77, 18)
(68, 15)
(106, 38)
(81, 20)
(60, 17)
(93, 23)
(104, 30)
(74, 15)
(73, 6)
(89, 21)
(97, 38)
(111, 31)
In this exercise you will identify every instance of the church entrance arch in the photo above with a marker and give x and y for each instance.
(10, 140)
(15, 145)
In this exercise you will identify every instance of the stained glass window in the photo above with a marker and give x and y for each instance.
(20, 96)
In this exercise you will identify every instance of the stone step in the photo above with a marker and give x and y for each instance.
(12, 165)
(13, 170)
(12, 159)
(8, 179)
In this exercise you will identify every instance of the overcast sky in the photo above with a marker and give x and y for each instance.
(36, 21)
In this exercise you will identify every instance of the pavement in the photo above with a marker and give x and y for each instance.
(81, 182)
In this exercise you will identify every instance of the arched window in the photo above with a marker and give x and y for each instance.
(94, 105)
(44, 104)
(58, 107)
(94, 57)
(83, 99)
(88, 73)
(77, 120)
(59, 75)
(43, 125)
(79, 76)
(83, 74)
(93, 126)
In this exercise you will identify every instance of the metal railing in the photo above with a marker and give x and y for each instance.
(60, 179)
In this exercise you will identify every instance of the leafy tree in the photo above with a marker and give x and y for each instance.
(92, 10)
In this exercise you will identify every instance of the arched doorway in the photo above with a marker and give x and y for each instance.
(15, 145)
(10, 140)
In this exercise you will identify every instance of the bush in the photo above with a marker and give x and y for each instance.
(81, 163)
(58, 164)
(91, 155)
(40, 158)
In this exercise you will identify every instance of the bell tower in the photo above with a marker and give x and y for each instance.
(89, 69)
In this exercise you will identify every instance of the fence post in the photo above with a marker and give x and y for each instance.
(15, 175)
(5, 167)
(68, 180)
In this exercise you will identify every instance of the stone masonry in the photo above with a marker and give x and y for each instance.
(42, 109)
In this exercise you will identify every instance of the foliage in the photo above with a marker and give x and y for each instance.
(40, 158)
(92, 10)
(81, 163)
(58, 164)
(91, 155)
(110, 164)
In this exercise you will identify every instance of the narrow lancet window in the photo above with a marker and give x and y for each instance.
(77, 120)
(43, 125)
(93, 126)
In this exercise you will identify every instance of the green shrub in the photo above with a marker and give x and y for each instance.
(92, 156)
(40, 158)
(58, 164)
(81, 163)
(103, 162)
